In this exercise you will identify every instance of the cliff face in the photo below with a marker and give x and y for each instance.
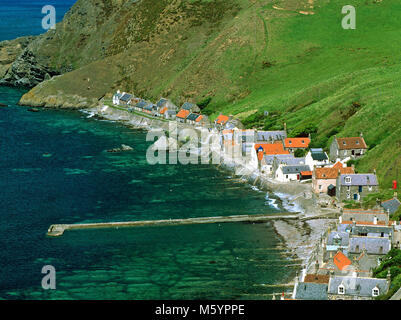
(10, 51)
(146, 47)
(142, 39)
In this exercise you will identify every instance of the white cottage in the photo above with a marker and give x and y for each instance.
(116, 98)
(317, 157)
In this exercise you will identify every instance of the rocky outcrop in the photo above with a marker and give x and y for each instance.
(10, 51)
(25, 71)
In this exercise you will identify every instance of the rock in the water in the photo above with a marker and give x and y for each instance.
(2, 105)
(33, 110)
(122, 149)
(126, 148)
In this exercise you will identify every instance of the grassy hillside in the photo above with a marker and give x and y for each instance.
(289, 57)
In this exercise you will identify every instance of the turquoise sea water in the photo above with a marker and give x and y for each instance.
(54, 169)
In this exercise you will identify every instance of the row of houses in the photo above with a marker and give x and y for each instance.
(164, 108)
(188, 113)
(347, 256)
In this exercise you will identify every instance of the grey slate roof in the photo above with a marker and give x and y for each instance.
(295, 169)
(271, 135)
(118, 95)
(171, 112)
(342, 236)
(311, 291)
(141, 104)
(354, 286)
(193, 116)
(149, 106)
(391, 205)
(367, 217)
(233, 123)
(188, 106)
(358, 229)
(360, 179)
(292, 161)
(269, 159)
(161, 102)
(126, 97)
(318, 154)
(373, 245)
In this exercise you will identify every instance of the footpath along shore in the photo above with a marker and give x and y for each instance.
(299, 236)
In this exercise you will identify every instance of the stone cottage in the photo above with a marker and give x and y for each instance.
(352, 148)
(356, 186)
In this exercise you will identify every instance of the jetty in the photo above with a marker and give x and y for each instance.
(57, 230)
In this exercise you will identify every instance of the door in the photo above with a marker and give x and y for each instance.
(355, 196)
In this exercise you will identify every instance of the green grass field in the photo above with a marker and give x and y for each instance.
(251, 56)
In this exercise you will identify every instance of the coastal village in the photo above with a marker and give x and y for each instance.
(343, 263)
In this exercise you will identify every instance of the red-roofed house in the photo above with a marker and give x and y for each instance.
(292, 144)
(182, 115)
(324, 180)
(341, 261)
(221, 119)
(271, 148)
(352, 147)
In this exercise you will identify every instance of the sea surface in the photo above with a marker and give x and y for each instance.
(24, 17)
(54, 169)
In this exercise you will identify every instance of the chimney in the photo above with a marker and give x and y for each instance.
(353, 167)
(316, 267)
(375, 220)
(274, 296)
(285, 126)
(340, 219)
(395, 194)
(374, 171)
(361, 135)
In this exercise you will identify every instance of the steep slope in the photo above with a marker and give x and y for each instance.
(289, 57)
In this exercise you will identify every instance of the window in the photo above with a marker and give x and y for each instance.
(375, 292)
(320, 187)
(347, 179)
(348, 195)
(341, 289)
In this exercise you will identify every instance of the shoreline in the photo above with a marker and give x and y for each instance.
(299, 237)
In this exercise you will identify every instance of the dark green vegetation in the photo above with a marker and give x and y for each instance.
(240, 57)
(392, 262)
